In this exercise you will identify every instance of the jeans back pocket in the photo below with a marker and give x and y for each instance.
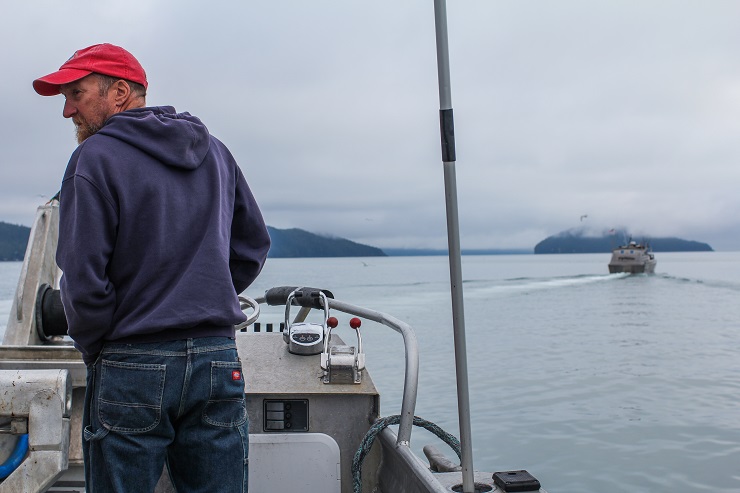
(226, 405)
(130, 398)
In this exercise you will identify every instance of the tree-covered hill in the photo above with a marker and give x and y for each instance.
(13, 240)
(575, 241)
(285, 243)
(293, 243)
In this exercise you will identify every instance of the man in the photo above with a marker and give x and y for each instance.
(158, 234)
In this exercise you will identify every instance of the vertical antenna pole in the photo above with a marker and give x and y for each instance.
(447, 130)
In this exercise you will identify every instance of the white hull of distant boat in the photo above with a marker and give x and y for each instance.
(633, 258)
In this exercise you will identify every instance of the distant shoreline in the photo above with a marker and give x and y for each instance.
(429, 252)
(298, 243)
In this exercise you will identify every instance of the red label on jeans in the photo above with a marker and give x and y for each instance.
(236, 375)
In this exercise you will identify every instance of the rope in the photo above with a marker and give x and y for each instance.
(377, 427)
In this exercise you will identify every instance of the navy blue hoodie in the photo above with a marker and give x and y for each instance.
(158, 233)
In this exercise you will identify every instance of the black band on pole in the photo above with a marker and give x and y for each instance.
(447, 129)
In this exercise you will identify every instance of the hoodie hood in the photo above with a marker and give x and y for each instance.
(176, 139)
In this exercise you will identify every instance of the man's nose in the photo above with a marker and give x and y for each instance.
(69, 109)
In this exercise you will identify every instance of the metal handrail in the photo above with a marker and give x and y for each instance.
(411, 377)
(245, 303)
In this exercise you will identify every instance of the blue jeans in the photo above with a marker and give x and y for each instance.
(177, 403)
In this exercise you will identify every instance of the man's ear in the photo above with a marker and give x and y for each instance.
(122, 92)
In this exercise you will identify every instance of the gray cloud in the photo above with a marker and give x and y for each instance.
(626, 111)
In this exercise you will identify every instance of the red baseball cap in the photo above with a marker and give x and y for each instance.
(106, 59)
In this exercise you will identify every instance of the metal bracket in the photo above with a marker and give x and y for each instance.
(342, 363)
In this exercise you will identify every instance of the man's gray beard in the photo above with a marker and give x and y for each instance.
(86, 130)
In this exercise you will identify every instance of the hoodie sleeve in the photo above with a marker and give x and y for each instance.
(87, 231)
(250, 241)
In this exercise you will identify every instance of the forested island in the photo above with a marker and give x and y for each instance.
(577, 242)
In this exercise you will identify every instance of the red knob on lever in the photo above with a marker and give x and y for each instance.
(355, 323)
(332, 322)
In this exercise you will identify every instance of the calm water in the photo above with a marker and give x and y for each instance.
(592, 382)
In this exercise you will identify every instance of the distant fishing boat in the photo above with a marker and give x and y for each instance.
(632, 258)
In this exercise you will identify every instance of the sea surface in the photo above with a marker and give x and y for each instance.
(594, 383)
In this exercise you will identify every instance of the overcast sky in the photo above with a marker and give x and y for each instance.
(622, 110)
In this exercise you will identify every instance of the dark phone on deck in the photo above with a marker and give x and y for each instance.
(516, 481)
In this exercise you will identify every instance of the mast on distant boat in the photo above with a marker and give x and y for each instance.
(447, 130)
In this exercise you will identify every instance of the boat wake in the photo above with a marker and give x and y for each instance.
(710, 283)
(483, 288)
